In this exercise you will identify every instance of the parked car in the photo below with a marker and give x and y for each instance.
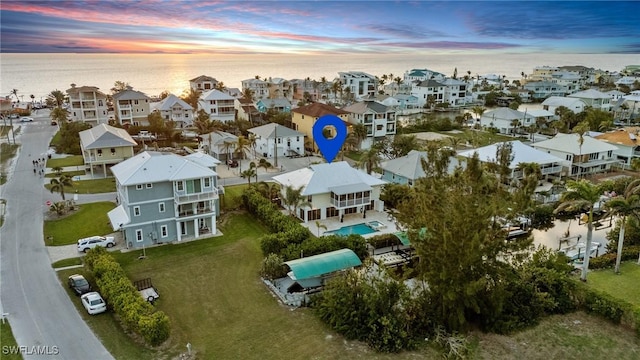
(26, 119)
(54, 123)
(232, 163)
(79, 284)
(94, 303)
(89, 243)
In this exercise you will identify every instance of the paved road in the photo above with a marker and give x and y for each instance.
(40, 311)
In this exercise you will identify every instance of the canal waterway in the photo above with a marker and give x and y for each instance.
(551, 237)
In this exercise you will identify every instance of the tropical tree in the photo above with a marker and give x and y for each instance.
(57, 185)
(478, 111)
(119, 86)
(263, 163)
(57, 170)
(360, 132)
(58, 207)
(624, 205)
(581, 129)
(204, 124)
(251, 140)
(249, 173)
(370, 159)
(515, 123)
(247, 94)
(242, 145)
(59, 115)
(293, 199)
(581, 195)
(14, 92)
(192, 96)
(319, 226)
(55, 98)
(269, 189)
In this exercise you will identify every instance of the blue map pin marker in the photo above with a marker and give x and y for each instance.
(329, 147)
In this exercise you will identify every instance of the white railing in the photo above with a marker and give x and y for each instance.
(124, 107)
(351, 202)
(182, 197)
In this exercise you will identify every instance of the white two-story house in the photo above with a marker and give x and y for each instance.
(260, 88)
(87, 104)
(359, 83)
(428, 91)
(219, 105)
(172, 108)
(594, 98)
(164, 198)
(274, 139)
(203, 83)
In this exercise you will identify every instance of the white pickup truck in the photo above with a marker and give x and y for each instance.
(146, 290)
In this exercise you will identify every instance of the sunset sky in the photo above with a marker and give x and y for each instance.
(187, 26)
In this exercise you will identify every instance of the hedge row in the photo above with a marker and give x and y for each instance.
(614, 309)
(608, 260)
(137, 314)
(383, 240)
(289, 239)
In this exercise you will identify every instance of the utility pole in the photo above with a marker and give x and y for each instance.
(275, 144)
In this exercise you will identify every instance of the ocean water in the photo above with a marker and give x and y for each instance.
(39, 74)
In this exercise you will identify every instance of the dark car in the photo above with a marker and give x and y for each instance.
(79, 284)
(232, 163)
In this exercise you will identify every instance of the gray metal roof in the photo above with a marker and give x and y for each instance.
(130, 95)
(168, 103)
(105, 136)
(155, 167)
(350, 188)
(269, 131)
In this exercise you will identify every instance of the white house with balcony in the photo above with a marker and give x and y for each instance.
(274, 138)
(333, 190)
(172, 108)
(593, 156)
(359, 83)
(594, 98)
(105, 145)
(428, 90)
(551, 166)
(455, 92)
(164, 197)
(132, 107)
(203, 83)
(552, 103)
(506, 120)
(379, 120)
(260, 88)
(87, 104)
(414, 75)
(219, 105)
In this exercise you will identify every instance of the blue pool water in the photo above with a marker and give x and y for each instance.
(360, 229)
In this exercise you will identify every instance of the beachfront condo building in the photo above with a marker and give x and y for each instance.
(359, 84)
(87, 104)
(132, 107)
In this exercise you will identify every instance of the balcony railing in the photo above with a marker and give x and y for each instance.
(350, 202)
(201, 211)
(124, 106)
(181, 197)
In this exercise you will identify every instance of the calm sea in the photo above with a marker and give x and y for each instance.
(39, 74)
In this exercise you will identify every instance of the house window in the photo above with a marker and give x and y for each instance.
(139, 187)
(207, 182)
(568, 157)
(99, 152)
(136, 211)
(135, 102)
(161, 207)
(139, 235)
(279, 140)
(309, 198)
(183, 228)
(113, 151)
(149, 186)
(180, 186)
(164, 231)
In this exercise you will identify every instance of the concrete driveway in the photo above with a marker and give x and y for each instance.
(39, 310)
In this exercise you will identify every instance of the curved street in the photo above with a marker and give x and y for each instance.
(42, 317)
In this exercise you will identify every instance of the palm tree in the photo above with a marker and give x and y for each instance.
(270, 189)
(55, 98)
(252, 139)
(515, 123)
(581, 129)
(59, 115)
(581, 195)
(370, 159)
(57, 170)
(242, 145)
(14, 92)
(249, 173)
(360, 132)
(626, 204)
(57, 185)
(192, 97)
(247, 94)
(263, 163)
(478, 111)
(293, 199)
(320, 225)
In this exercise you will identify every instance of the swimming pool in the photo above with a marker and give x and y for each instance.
(360, 229)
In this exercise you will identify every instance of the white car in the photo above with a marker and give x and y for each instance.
(89, 243)
(26, 119)
(94, 303)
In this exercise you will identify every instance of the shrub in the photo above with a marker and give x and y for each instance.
(608, 260)
(383, 240)
(272, 267)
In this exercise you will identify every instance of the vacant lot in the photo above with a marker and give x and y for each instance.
(212, 293)
(96, 186)
(89, 220)
(74, 160)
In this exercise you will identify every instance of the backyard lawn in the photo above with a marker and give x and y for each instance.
(625, 286)
(215, 300)
(232, 198)
(90, 220)
(74, 160)
(95, 186)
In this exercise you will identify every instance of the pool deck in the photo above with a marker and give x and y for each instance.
(334, 223)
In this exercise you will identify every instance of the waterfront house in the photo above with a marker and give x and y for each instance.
(379, 120)
(279, 105)
(359, 83)
(418, 75)
(132, 107)
(551, 166)
(260, 88)
(593, 156)
(552, 103)
(455, 92)
(163, 197)
(428, 91)
(305, 116)
(203, 83)
(406, 170)
(545, 89)
(570, 81)
(220, 106)
(87, 104)
(506, 120)
(274, 139)
(219, 144)
(172, 108)
(593, 98)
(105, 145)
(626, 142)
(333, 190)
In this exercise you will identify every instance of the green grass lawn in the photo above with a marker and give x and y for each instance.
(95, 186)
(56, 139)
(67, 262)
(90, 220)
(211, 291)
(74, 160)
(68, 173)
(6, 340)
(232, 198)
(625, 286)
(7, 151)
(354, 155)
